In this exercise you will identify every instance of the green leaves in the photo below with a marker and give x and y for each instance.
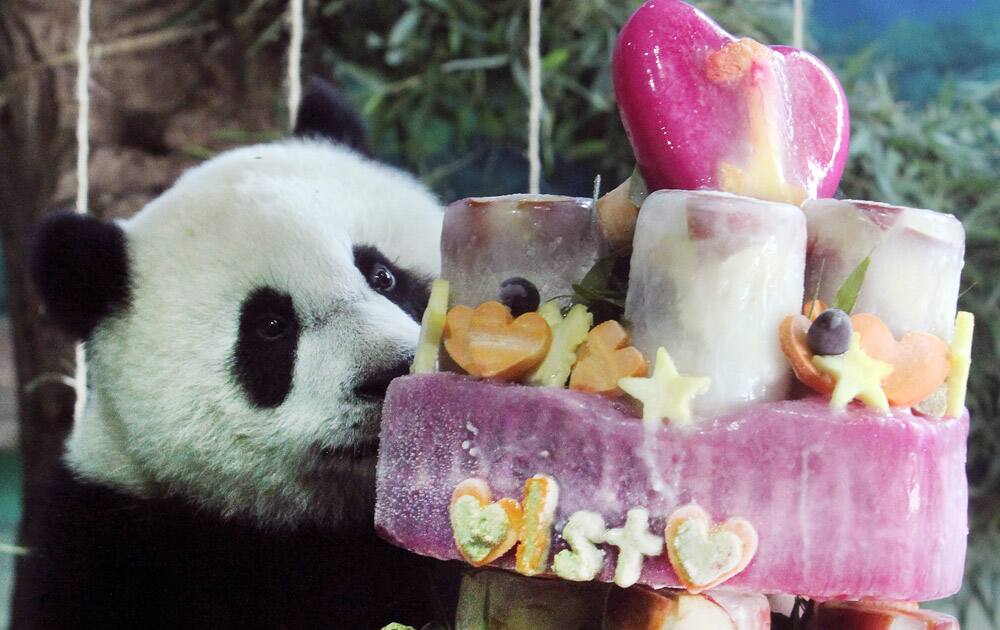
(603, 289)
(847, 295)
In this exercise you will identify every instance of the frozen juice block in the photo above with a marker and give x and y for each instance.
(498, 600)
(642, 609)
(916, 261)
(705, 110)
(847, 505)
(550, 240)
(878, 616)
(712, 276)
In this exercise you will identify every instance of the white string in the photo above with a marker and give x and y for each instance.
(798, 25)
(83, 107)
(535, 79)
(82, 175)
(295, 17)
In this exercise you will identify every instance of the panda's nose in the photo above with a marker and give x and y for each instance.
(373, 384)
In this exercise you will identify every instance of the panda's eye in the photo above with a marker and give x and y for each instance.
(382, 279)
(272, 327)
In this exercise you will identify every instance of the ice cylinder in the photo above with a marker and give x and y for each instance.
(552, 241)
(712, 276)
(916, 261)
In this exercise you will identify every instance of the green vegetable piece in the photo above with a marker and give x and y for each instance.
(431, 329)
(397, 626)
(847, 296)
(567, 335)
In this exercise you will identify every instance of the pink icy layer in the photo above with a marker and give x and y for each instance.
(846, 505)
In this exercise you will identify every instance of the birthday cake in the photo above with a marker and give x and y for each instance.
(712, 384)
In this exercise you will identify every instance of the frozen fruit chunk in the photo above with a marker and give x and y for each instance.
(704, 110)
(431, 329)
(850, 505)
(916, 264)
(549, 240)
(712, 277)
(878, 616)
(567, 335)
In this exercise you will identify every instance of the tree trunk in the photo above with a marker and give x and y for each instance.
(167, 76)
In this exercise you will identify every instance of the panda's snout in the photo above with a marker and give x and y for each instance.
(373, 384)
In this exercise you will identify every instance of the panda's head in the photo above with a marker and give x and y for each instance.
(242, 328)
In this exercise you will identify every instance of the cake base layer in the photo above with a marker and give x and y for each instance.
(845, 505)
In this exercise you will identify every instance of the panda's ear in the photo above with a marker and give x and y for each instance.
(79, 265)
(326, 113)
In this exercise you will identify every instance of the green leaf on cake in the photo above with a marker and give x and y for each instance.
(847, 296)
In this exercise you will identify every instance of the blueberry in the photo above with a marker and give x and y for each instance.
(519, 295)
(830, 333)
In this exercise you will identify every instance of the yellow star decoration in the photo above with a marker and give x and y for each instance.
(857, 375)
(665, 394)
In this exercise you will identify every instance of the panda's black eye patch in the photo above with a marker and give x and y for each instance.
(264, 357)
(407, 290)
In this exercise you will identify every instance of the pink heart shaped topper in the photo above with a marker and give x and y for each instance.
(705, 110)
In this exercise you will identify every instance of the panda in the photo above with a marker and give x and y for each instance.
(240, 333)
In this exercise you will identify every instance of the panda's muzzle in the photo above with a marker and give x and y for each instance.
(373, 385)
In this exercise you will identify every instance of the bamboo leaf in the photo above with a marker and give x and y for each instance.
(847, 295)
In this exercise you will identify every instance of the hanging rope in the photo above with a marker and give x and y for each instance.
(798, 25)
(535, 80)
(297, 21)
(82, 175)
(83, 107)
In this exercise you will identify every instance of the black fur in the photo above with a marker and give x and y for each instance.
(114, 561)
(79, 265)
(264, 356)
(410, 291)
(326, 113)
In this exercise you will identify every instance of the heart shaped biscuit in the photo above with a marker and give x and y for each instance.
(483, 530)
(502, 347)
(919, 361)
(704, 556)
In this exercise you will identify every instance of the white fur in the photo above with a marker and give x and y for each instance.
(165, 413)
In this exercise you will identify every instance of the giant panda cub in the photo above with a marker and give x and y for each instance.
(240, 332)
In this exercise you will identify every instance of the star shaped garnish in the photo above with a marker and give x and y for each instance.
(634, 541)
(857, 375)
(666, 393)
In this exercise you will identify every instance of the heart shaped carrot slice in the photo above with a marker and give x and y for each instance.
(456, 337)
(505, 348)
(606, 358)
(920, 361)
